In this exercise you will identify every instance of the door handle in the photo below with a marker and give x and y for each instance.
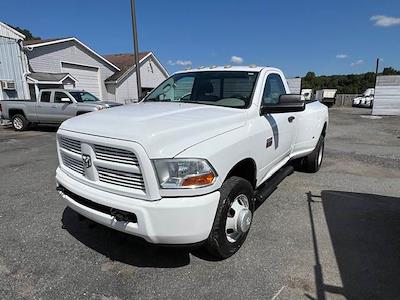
(54, 106)
(290, 119)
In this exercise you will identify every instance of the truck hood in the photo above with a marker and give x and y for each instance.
(163, 129)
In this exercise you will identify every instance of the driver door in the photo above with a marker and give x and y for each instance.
(63, 107)
(279, 127)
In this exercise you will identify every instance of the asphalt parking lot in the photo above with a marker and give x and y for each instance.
(330, 235)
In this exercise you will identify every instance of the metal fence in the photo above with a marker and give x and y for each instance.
(345, 99)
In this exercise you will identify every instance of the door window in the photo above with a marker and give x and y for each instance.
(274, 88)
(59, 97)
(45, 97)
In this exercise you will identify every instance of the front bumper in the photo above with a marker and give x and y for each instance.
(181, 220)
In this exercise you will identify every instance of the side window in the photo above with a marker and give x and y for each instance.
(58, 96)
(273, 89)
(45, 97)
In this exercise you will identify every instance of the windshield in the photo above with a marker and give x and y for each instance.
(223, 88)
(84, 97)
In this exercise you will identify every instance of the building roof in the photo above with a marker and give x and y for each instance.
(42, 41)
(228, 68)
(124, 61)
(10, 32)
(46, 42)
(41, 77)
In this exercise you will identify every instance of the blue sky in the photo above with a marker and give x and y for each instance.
(328, 37)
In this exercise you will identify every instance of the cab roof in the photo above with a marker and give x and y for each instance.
(227, 69)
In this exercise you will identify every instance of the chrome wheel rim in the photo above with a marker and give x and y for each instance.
(320, 154)
(17, 123)
(239, 218)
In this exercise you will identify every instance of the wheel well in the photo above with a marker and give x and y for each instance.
(245, 169)
(82, 112)
(323, 133)
(13, 112)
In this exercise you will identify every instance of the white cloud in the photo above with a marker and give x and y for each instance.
(237, 59)
(357, 63)
(180, 62)
(342, 56)
(385, 21)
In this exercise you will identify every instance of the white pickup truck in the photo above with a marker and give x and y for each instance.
(187, 164)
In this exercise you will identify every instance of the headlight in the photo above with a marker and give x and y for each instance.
(184, 173)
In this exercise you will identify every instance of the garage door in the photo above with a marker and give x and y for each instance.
(87, 77)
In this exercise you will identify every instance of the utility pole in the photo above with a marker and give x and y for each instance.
(376, 70)
(136, 50)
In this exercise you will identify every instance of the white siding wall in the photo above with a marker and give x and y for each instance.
(151, 77)
(49, 58)
(12, 67)
(8, 32)
(387, 96)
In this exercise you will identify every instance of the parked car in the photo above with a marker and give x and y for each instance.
(366, 100)
(52, 107)
(190, 160)
(326, 96)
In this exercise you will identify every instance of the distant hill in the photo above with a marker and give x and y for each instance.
(345, 84)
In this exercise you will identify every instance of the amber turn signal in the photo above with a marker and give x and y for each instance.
(199, 180)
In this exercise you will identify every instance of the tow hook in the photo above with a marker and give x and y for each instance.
(60, 188)
(120, 216)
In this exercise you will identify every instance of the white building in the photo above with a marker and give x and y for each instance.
(387, 96)
(69, 63)
(122, 85)
(13, 64)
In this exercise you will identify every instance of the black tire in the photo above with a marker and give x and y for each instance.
(312, 162)
(19, 122)
(217, 243)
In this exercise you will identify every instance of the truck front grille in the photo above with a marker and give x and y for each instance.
(108, 166)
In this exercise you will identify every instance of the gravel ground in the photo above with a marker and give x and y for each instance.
(329, 235)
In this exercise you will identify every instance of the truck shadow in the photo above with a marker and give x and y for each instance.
(44, 128)
(118, 246)
(364, 231)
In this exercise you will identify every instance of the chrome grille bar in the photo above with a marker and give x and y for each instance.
(126, 179)
(70, 145)
(115, 155)
(73, 163)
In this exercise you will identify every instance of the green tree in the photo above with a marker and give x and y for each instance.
(390, 71)
(345, 84)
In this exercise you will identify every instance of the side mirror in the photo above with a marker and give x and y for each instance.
(287, 103)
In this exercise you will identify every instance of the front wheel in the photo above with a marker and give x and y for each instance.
(19, 122)
(233, 218)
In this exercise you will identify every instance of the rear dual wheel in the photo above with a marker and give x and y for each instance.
(312, 162)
